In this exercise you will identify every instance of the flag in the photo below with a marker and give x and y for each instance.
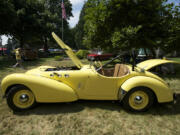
(63, 10)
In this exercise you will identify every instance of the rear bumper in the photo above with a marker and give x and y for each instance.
(173, 101)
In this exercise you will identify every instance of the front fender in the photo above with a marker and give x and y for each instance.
(44, 89)
(161, 90)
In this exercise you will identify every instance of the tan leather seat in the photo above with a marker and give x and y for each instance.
(120, 70)
(116, 70)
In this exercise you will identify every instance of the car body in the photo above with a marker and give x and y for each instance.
(137, 88)
(99, 56)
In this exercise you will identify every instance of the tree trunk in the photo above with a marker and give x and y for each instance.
(45, 45)
(2, 51)
(21, 42)
(153, 52)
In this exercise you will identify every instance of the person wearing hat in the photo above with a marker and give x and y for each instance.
(18, 57)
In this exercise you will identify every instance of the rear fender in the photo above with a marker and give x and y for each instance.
(44, 89)
(161, 90)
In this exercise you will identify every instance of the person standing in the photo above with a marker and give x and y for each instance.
(18, 58)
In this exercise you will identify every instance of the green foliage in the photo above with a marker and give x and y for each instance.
(126, 24)
(52, 20)
(125, 38)
(79, 30)
(58, 58)
(7, 15)
(172, 39)
(82, 54)
(32, 21)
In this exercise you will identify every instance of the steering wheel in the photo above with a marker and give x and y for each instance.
(101, 67)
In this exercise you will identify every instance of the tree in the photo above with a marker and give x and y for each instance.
(26, 25)
(11, 43)
(51, 20)
(21, 18)
(79, 30)
(30, 21)
(125, 24)
(8, 16)
(0, 41)
(172, 39)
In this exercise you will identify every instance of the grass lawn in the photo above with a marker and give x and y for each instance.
(176, 59)
(87, 117)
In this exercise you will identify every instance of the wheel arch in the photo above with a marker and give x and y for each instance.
(161, 91)
(132, 100)
(15, 85)
(142, 87)
(44, 89)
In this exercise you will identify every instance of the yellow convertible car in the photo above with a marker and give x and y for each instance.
(135, 86)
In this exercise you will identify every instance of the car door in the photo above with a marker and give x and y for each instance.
(101, 87)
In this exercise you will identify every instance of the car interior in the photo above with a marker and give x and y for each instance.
(119, 70)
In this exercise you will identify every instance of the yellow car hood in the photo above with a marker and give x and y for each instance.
(148, 64)
(68, 51)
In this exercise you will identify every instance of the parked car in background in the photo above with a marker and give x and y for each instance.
(41, 50)
(51, 50)
(143, 54)
(4, 51)
(99, 55)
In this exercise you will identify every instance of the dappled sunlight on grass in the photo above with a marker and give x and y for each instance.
(95, 117)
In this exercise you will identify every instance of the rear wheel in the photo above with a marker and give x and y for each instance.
(20, 98)
(138, 99)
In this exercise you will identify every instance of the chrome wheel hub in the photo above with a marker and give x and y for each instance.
(23, 98)
(138, 99)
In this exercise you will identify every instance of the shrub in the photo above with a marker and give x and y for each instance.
(82, 54)
(58, 58)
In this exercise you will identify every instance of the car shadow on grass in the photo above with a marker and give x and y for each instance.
(72, 107)
(163, 108)
(78, 106)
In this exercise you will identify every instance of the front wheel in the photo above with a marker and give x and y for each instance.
(20, 98)
(138, 99)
